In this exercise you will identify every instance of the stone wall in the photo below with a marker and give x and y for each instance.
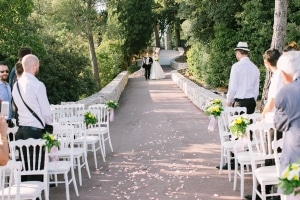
(177, 65)
(111, 91)
(198, 95)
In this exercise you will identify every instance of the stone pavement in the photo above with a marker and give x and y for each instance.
(162, 150)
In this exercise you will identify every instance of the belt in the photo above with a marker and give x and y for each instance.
(236, 99)
(31, 128)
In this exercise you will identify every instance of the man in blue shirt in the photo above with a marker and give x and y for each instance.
(5, 90)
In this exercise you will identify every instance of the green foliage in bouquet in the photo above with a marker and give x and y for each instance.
(50, 141)
(90, 118)
(112, 104)
(214, 108)
(238, 126)
(289, 182)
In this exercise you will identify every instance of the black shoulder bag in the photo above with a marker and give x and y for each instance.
(48, 128)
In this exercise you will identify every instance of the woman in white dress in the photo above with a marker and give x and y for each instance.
(156, 71)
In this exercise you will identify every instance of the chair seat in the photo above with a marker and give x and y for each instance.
(28, 189)
(97, 130)
(59, 166)
(228, 144)
(267, 174)
(88, 139)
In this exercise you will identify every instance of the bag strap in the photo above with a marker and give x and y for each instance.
(31, 111)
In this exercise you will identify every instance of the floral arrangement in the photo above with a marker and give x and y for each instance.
(238, 126)
(90, 118)
(156, 59)
(215, 108)
(50, 141)
(112, 104)
(290, 181)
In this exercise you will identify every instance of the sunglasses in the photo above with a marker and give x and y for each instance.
(6, 71)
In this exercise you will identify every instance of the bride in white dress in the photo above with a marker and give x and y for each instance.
(156, 71)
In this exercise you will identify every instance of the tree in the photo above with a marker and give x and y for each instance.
(278, 39)
(136, 25)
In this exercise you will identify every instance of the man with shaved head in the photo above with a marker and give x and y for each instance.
(29, 90)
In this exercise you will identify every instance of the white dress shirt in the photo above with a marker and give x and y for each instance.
(34, 94)
(244, 80)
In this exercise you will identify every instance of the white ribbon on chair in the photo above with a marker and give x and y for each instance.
(212, 123)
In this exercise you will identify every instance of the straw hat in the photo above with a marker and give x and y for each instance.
(242, 46)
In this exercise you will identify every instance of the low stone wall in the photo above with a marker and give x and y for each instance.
(111, 91)
(177, 65)
(198, 95)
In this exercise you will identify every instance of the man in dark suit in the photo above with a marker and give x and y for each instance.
(287, 115)
(147, 63)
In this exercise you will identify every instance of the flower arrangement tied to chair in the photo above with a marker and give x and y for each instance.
(90, 119)
(52, 145)
(290, 180)
(111, 104)
(214, 110)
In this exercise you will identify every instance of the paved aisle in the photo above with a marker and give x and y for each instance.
(162, 150)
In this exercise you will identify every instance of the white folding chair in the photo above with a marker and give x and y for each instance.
(227, 145)
(101, 129)
(65, 154)
(80, 142)
(33, 163)
(10, 180)
(259, 137)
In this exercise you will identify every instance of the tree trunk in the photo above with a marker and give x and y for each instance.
(156, 35)
(177, 33)
(90, 37)
(278, 38)
(94, 61)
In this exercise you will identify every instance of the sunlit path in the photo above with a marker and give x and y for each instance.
(162, 150)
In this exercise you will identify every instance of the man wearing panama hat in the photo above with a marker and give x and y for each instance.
(244, 80)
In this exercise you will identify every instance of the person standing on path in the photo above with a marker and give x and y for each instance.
(5, 91)
(147, 63)
(243, 86)
(23, 51)
(287, 116)
(33, 92)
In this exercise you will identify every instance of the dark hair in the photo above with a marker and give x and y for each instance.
(23, 51)
(19, 68)
(2, 63)
(243, 52)
(291, 47)
(272, 56)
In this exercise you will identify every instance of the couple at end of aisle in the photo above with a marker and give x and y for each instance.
(153, 70)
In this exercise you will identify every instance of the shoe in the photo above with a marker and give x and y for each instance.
(52, 185)
(226, 166)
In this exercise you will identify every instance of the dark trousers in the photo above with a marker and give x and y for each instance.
(250, 104)
(147, 71)
(24, 133)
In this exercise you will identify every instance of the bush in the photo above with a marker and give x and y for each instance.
(133, 68)
(110, 61)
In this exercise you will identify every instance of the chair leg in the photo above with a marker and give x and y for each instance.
(242, 181)
(221, 160)
(67, 186)
(109, 140)
(254, 187)
(74, 181)
(229, 165)
(79, 171)
(87, 165)
(235, 174)
(95, 156)
(263, 192)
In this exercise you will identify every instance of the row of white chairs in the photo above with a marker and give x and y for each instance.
(250, 153)
(75, 141)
